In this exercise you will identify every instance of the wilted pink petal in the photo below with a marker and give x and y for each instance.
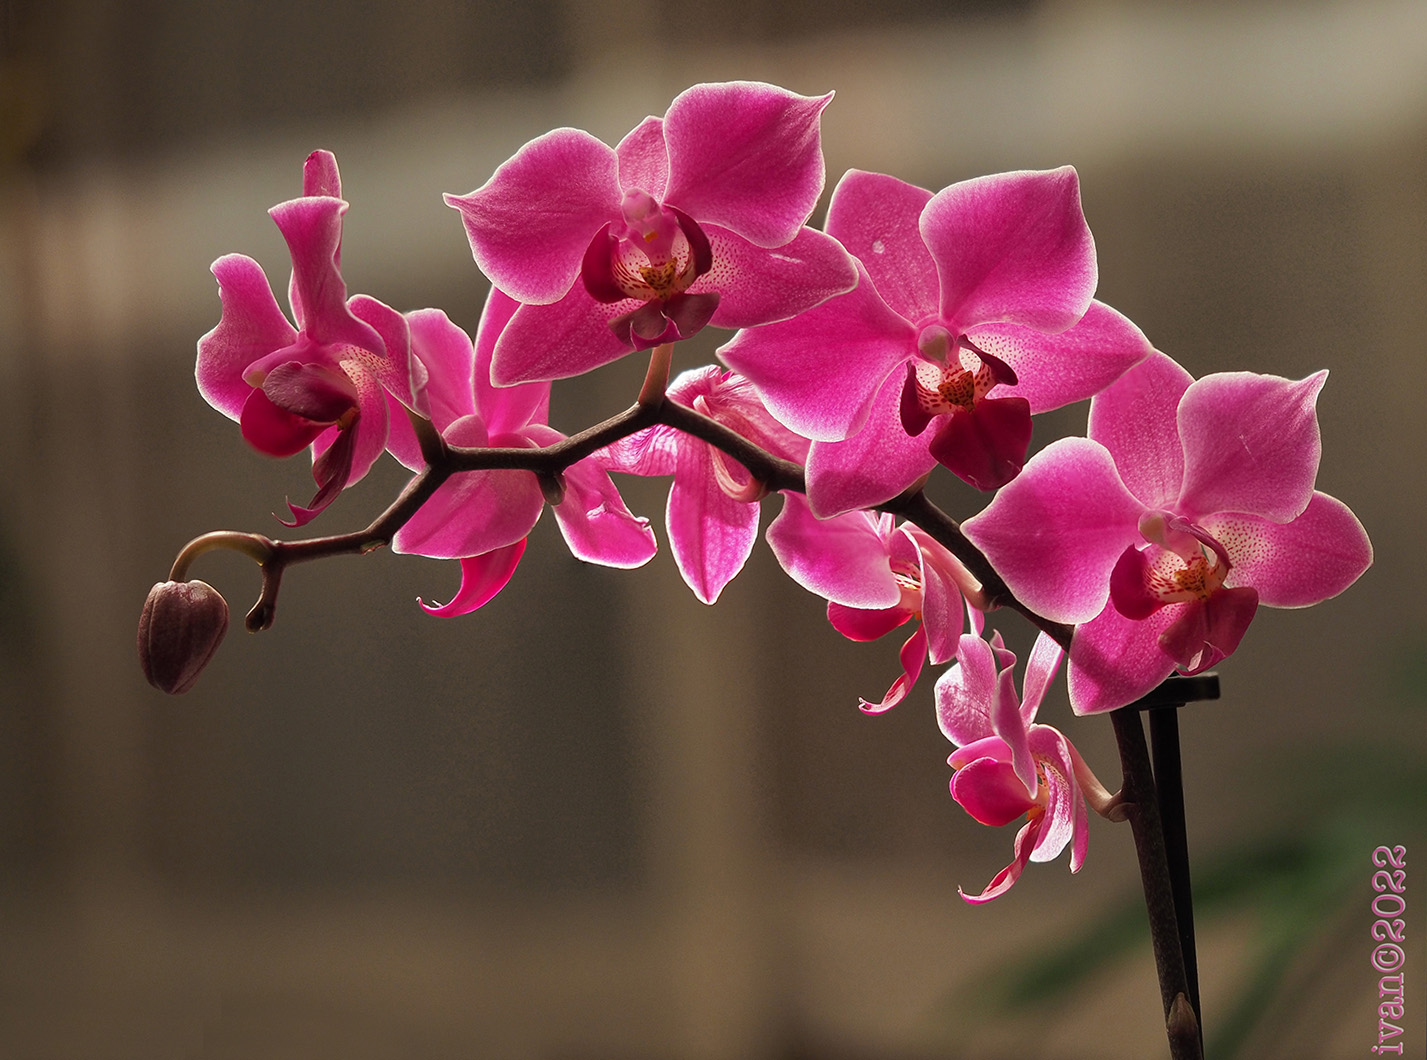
(1002, 881)
(482, 577)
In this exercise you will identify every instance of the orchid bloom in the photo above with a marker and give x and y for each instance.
(1189, 504)
(712, 513)
(483, 517)
(877, 577)
(325, 383)
(1008, 767)
(973, 312)
(695, 218)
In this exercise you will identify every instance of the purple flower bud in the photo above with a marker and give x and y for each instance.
(181, 627)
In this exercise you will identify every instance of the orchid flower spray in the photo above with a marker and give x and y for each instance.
(1007, 766)
(1189, 504)
(695, 218)
(329, 382)
(974, 310)
(877, 577)
(482, 517)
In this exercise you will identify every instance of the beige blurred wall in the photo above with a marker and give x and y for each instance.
(597, 819)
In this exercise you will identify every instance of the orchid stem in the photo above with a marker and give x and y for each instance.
(656, 380)
(254, 546)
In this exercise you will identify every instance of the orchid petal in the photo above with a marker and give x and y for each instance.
(644, 158)
(941, 598)
(1115, 660)
(593, 519)
(875, 217)
(873, 466)
(820, 372)
(862, 624)
(1306, 561)
(530, 224)
(843, 559)
(759, 286)
(913, 656)
(710, 533)
(745, 156)
(313, 230)
(504, 408)
(1251, 444)
(1055, 370)
(986, 445)
(990, 791)
(1041, 668)
(444, 394)
(319, 175)
(557, 341)
(389, 362)
(1136, 419)
(1068, 492)
(964, 693)
(482, 577)
(1013, 248)
(1007, 723)
(252, 326)
(1206, 632)
(333, 470)
(273, 430)
(1002, 881)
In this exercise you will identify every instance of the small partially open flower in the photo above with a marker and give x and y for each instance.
(181, 627)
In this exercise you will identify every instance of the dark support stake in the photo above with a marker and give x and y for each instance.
(1163, 705)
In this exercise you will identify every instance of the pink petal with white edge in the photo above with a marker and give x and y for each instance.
(531, 223)
(482, 577)
(313, 230)
(1055, 532)
(964, 693)
(644, 158)
(1041, 668)
(913, 657)
(504, 408)
(444, 394)
(1007, 723)
(593, 519)
(1001, 883)
(474, 511)
(558, 341)
(876, 218)
(252, 326)
(745, 156)
(758, 286)
(710, 533)
(820, 372)
(1137, 419)
(1062, 793)
(389, 363)
(1251, 444)
(1055, 370)
(874, 465)
(1296, 564)
(1013, 248)
(1115, 660)
(941, 597)
(844, 559)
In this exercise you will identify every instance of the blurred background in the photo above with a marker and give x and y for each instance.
(597, 819)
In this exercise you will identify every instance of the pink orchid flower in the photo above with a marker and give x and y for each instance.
(877, 577)
(326, 383)
(1007, 767)
(482, 517)
(1189, 504)
(712, 513)
(695, 218)
(973, 312)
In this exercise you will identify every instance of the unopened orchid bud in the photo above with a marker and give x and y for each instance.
(181, 627)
